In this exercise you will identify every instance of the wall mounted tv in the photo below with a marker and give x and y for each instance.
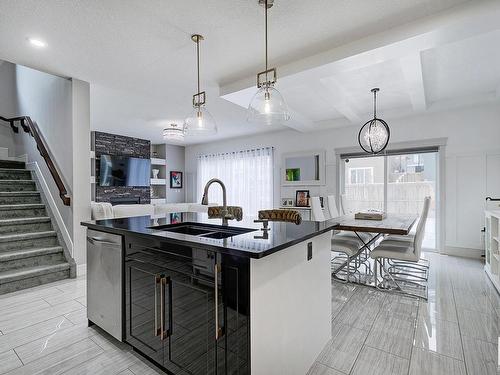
(124, 171)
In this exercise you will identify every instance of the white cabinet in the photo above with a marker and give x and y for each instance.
(492, 246)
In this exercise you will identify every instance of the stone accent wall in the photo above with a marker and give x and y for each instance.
(119, 145)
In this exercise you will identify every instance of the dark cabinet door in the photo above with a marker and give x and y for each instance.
(147, 306)
(192, 341)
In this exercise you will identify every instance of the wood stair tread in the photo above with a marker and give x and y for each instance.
(28, 253)
(30, 272)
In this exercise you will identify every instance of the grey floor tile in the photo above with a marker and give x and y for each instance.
(36, 349)
(78, 317)
(9, 361)
(438, 307)
(82, 300)
(439, 336)
(479, 325)
(376, 362)
(343, 349)
(62, 360)
(473, 301)
(31, 333)
(144, 368)
(34, 317)
(392, 335)
(424, 362)
(319, 369)
(126, 372)
(66, 296)
(481, 357)
(107, 363)
(362, 309)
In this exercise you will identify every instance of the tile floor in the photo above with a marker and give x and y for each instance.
(44, 330)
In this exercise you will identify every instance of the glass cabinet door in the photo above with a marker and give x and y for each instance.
(145, 295)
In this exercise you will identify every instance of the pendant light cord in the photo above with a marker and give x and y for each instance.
(265, 7)
(375, 104)
(198, 60)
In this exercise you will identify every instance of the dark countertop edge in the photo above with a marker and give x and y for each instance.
(225, 250)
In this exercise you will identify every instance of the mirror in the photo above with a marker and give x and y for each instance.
(306, 168)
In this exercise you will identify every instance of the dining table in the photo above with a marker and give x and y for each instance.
(392, 223)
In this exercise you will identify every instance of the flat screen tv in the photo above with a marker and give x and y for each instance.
(124, 171)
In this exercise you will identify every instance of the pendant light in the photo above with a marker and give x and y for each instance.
(374, 135)
(173, 132)
(268, 105)
(200, 122)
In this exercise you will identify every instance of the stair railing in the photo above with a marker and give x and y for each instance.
(31, 127)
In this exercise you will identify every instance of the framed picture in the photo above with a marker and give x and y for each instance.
(293, 174)
(176, 217)
(302, 198)
(286, 202)
(175, 180)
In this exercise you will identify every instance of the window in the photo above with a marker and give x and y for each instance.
(248, 176)
(361, 175)
(395, 183)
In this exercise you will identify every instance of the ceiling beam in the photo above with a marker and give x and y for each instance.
(462, 22)
(412, 71)
(341, 100)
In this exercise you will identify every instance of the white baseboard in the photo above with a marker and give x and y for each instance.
(463, 252)
(33, 166)
(81, 269)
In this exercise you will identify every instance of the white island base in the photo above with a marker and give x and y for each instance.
(290, 308)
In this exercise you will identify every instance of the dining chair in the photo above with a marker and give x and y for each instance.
(348, 245)
(344, 205)
(408, 252)
(334, 212)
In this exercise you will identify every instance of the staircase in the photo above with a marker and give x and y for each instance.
(30, 253)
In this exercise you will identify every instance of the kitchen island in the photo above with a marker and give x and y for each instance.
(201, 298)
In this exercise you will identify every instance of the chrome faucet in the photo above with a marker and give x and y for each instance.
(224, 213)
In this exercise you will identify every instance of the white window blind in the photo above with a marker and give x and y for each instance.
(248, 176)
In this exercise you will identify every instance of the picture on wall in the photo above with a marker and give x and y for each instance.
(175, 180)
(302, 198)
(286, 202)
(176, 217)
(293, 174)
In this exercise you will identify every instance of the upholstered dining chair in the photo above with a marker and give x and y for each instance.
(347, 245)
(403, 251)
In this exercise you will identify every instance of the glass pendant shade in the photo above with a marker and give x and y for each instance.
(200, 122)
(374, 136)
(268, 107)
(173, 132)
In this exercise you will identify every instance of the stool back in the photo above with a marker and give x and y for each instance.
(332, 206)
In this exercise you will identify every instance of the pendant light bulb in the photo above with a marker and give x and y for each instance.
(200, 122)
(268, 105)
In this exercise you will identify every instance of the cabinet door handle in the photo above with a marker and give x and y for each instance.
(216, 269)
(163, 334)
(157, 329)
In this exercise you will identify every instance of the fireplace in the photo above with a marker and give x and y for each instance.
(124, 200)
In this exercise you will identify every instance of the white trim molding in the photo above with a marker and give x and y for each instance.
(33, 166)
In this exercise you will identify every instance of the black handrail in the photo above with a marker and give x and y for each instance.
(29, 126)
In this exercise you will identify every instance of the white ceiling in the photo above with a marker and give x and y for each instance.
(140, 60)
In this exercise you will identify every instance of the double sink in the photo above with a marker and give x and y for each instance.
(203, 230)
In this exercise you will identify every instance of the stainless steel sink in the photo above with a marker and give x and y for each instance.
(204, 230)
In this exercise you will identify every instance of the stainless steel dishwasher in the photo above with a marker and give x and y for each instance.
(105, 282)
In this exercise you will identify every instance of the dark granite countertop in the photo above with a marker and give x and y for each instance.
(279, 236)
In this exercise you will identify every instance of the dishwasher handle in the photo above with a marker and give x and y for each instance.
(93, 241)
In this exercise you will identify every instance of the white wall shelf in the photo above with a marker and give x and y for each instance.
(158, 181)
(492, 247)
(156, 161)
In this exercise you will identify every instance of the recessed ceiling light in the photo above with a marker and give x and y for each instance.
(37, 43)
